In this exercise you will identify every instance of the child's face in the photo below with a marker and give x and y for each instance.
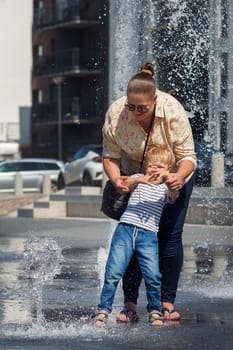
(156, 166)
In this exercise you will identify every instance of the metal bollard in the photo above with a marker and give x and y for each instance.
(18, 184)
(217, 170)
(46, 184)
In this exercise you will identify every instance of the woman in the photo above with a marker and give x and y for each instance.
(124, 133)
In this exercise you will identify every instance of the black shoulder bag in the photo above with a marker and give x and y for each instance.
(113, 202)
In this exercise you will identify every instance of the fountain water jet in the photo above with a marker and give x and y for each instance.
(42, 262)
(131, 27)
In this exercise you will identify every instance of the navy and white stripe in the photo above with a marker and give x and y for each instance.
(145, 206)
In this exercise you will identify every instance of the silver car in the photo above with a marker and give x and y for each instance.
(32, 171)
(85, 166)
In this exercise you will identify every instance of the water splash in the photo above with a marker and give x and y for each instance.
(181, 44)
(173, 35)
(101, 261)
(131, 30)
(54, 331)
(208, 270)
(102, 253)
(42, 261)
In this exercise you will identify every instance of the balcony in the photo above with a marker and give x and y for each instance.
(65, 63)
(62, 16)
(72, 112)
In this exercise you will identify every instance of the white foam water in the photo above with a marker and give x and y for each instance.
(102, 253)
(42, 261)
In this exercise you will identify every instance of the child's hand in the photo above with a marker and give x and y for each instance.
(128, 183)
(164, 175)
(158, 176)
(146, 179)
(120, 184)
(131, 182)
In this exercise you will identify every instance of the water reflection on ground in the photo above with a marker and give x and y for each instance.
(50, 287)
(208, 270)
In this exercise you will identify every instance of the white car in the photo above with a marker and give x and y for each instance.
(85, 166)
(32, 171)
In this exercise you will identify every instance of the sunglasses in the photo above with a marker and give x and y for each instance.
(139, 108)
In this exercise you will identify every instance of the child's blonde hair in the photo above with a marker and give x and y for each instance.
(161, 154)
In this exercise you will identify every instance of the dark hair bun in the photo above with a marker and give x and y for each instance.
(147, 68)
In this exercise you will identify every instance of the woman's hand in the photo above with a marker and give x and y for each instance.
(121, 185)
(174, 181)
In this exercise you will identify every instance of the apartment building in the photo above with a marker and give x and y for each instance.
(69, 75)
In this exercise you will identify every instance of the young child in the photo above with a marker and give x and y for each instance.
(137, 233)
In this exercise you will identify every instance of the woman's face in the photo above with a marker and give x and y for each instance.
(140, 105)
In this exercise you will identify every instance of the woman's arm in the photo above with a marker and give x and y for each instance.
(179, 137)
(112, 170)
(185, 169)
(175, 181)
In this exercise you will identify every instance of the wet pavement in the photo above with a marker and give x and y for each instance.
(50, 277)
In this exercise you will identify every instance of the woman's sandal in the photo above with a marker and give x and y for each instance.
(170, 312)
(127, 316)
(101, 318)
(156, 318)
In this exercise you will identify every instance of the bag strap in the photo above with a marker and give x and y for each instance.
(147, 139)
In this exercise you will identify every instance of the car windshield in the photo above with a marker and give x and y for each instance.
(28, 166)
(5, 167)
(85, 149)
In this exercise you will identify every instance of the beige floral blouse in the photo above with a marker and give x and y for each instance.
(124, 138)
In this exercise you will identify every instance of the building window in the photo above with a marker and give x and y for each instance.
(224, 19)
(223, 131)
(224, 75)
(39, 4)
(39, 12)
(53, 46)
(40, 96)
(37, 96)
(37, 51)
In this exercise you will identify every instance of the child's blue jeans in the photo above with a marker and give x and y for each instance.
(126, 241)
(170, 250)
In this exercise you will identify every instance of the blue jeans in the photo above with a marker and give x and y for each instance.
(126, 241)
(170, 250)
